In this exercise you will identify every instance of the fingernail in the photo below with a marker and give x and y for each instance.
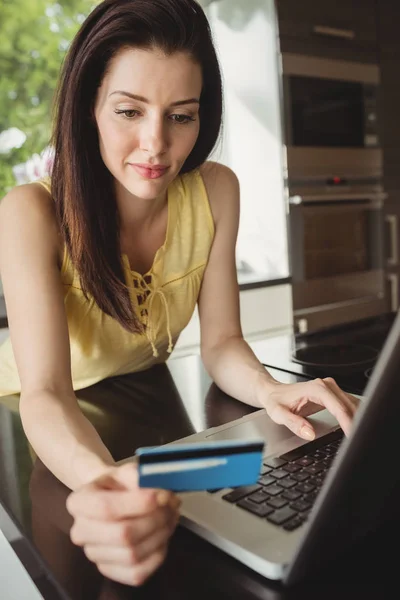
(163, 498)
(307, 432)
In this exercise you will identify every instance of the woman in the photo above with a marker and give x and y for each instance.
(112, 257)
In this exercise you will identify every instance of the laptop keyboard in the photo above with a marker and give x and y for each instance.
(288, 485)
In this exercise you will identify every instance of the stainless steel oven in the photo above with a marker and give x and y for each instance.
(336, 251)
(333, 174)
(330, 103)
(330, 117)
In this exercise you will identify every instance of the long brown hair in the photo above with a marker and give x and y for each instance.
(82, 186)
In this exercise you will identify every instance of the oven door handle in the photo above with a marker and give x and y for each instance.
(347, 34)
(393, 279)
(393, 259)
(376, 198)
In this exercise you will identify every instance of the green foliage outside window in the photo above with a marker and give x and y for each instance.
(35, 35)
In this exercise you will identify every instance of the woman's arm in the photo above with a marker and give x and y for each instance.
(222, 346)
(123, 529)
(227, 357)
(60, 434)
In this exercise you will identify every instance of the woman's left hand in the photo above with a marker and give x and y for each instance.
(287, 404)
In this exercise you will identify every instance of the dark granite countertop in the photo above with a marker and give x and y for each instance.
(153, 407)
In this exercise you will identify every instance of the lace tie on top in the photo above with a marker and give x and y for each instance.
(150, 329)
(146, 296)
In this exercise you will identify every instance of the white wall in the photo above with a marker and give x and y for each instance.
(245, 34)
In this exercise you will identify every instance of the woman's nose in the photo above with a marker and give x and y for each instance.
(153, 137)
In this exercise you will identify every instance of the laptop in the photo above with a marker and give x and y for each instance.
(313, 500)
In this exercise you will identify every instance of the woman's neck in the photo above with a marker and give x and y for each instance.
(138, 213)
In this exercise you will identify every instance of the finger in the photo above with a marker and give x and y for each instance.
(299, 425)
(127, 475)
(120, 533)
(321, 393)
(350, 401)
(94, 502)
(111, 505)
(160, 538)
(134, 575)
(355, 400)
(132, 555)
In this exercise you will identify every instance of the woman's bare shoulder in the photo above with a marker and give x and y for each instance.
(214, 172)
(28, 196)
(222, 186)
(30, 208)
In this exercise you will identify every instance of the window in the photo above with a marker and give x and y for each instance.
(34, 38)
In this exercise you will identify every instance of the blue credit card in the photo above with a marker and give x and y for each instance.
(200, 466)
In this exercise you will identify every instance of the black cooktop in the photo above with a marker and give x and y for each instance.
(335, 356)
(347, 353)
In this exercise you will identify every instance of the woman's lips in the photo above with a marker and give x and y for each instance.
(150, 172)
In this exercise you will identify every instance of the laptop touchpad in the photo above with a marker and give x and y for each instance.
(261, 426)
(278, 438)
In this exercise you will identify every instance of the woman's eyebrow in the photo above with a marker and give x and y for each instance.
(143, 99)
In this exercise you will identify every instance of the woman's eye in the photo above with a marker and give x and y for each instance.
(181, 119)
(128, 113)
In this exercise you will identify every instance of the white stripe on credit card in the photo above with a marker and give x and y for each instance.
(181, 465)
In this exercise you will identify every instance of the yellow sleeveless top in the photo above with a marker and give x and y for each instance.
(164, 298)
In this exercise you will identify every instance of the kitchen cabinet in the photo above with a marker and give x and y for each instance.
(343, 29)
(388, 15)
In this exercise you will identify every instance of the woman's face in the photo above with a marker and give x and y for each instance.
(147, 114)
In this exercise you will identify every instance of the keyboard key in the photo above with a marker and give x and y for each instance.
(266, 480)
(305, 461)
(261, 510)
(301, 505)
(319, 455)
(291, 495)
(305, 487)
(294, 523)
(281, 515)
(273, 490)
(277, 502)
(258, 497)
(265, 470)
(330, 453)
(317, 481)
(326, 463)
(240, 492)
(311, 497)
(278, 474)
(287, 483)
(274, 463)
(314, 469)
(292, 467)
(301, 475)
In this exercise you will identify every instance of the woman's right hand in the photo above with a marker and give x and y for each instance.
(122, 528)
